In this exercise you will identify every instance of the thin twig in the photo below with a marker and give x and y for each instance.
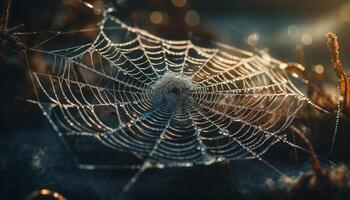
(315, 162)
(6, 33)
(5, 15)
(12, 30)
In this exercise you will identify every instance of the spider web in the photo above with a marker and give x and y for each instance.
(169, 103)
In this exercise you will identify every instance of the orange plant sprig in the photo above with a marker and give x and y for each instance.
(344, 81)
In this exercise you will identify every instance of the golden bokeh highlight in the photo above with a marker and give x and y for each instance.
(192, 18)
(179, 3)
(319, 69)
(44, 192)
(39, 194)
(306, 39)
(156, 17)
(253, 39)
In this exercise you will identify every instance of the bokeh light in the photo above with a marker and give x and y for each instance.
(306, 39)
(179, 3)
(319, 69)
(293, 31)
(192, 18)
(156, 17)
(253, 39)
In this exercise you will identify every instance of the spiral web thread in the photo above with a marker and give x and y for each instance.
(237, 106)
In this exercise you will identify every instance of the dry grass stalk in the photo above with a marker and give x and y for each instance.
(315, 162)
(344, 80)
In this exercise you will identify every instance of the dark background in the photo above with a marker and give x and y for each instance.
(32, 156)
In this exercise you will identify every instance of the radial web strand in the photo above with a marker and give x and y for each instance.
(169, 103)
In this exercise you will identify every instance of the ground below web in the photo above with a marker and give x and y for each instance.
(36, 158)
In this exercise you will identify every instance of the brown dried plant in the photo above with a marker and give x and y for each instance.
(344, 80)
(6, 34)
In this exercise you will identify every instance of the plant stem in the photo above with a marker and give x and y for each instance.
(315, 163)
(5, 15)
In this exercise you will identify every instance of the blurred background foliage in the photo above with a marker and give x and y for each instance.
(291, 31)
